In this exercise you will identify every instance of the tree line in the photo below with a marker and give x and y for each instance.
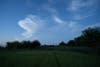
(23, 44)
(90, 37)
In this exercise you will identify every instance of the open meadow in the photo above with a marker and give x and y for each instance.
(48, 58)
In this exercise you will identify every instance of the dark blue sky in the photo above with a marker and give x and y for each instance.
(49, 21)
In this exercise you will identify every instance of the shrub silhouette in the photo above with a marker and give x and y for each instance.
(62, 44)
(13, 45)
(35, 44)
(71, 43)
(23, 45)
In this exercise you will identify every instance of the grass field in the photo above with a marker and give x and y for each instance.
(45, 58)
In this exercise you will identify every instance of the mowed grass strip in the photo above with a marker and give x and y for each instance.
(76, 59)
(57, 60)
(38, 58)
(21, 59)
(49, 60)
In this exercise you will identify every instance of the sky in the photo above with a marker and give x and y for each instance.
(49, 21)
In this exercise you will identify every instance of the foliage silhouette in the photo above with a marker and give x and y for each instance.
(23, 45)
(62, 44)
(90, 38)
(35, 44)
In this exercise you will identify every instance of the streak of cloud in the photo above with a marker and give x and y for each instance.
(58, 20)
(77, 5)
(81, 9)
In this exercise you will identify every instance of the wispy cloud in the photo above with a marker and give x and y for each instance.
(82, 9)
(58, 20)
(50, 1)
(79, 16)
(74, 5)
(74, 27)
(30, 24)
(77, 5)
(72, 24)
(69, 26)
(49, 9)
(92, 25)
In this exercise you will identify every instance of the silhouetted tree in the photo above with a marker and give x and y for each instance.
(71, 43)
(1, 47)
(62, 44)
(80, 41)
(92, 36)
(9, 45)
(25, 44)
(35, 44)
(13, 45)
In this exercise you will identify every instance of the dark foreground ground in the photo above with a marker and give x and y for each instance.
(48, 58)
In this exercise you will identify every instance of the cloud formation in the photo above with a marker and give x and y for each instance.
(30, 25)
(79, 10)
(82, 9)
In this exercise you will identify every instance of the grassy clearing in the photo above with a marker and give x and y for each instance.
(42, 58)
